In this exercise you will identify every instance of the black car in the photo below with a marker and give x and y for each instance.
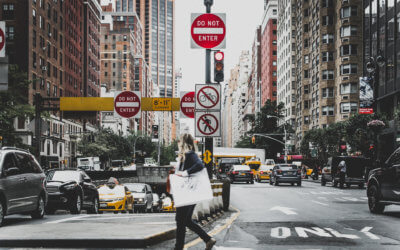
(224, 165)
(355, 171)
(383, 187)
(21, 184)
(240, 173)
(285, 173)
(71, 189)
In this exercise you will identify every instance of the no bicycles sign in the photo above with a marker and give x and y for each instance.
(208, 97)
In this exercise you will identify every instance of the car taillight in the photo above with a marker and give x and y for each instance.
(299, 171)
(234, 172)
(261, 172)
(220, 170)
(279, 171)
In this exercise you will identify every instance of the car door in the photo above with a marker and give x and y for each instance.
(31, 179)
(88, 190)
(149, 195)
(390, 177)
(13, 183)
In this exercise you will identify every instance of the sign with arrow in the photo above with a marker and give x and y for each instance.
(207, 156)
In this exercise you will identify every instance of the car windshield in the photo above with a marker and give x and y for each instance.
(135, 188)
(241, 168)
(288, 167)
(270, 162)
(265, 168)
(64, 176)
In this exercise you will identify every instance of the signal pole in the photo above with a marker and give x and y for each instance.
(209, 141)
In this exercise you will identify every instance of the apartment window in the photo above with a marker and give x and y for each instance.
(273, 73)
(113, 65)
(348, 50)
(34, 79)
(48, 89)
(306, 89)
(327, 75)
(306, 104)
(306, 119)
(327, 3)
(274, 21)
(349, 88)
(10, 33)
(306, 73)
(327, 38)
(305, 13)
(348, 11)
(306, 59)
(274, 83)
(273, 42)
(348, 69)
(274, 52)
(125, 37)
(348, 31)
(327, 56)
(327, 93)
(349, 107)
(34, 59)
(328, 110)
(274, 32)
(274, 93)
(327, 20)
(273, 63)
(8, 11)
(34, 16)
(305, 43)
(305, 27)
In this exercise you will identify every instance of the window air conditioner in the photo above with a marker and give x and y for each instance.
(345, 21)
(345, 97)
(44, 48)
(345, 40)
(49, 34)
(345, 116)
(44, 68)
(344, 59)
(345, 78)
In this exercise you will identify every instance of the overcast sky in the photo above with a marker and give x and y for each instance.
(242, 18)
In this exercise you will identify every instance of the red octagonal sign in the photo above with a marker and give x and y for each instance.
(127, 104)
(2, 39)
(208, 31)
(187, 104)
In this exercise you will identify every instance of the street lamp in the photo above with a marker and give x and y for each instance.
(284, 128)
(372, 67)
(134, 147)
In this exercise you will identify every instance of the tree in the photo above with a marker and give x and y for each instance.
(13, 104)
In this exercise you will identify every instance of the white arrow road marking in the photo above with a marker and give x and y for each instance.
(127, 104)
(366, 231)
(285, 210)
(320, 203)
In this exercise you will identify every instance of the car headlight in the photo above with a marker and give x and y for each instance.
(70, 186)
(140, 200)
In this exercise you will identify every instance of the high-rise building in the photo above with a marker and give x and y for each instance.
(328, 62)
(286, 58)
(268, 49)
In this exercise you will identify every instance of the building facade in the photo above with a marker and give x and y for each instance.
(268, 46)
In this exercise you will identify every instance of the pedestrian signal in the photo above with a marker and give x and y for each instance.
(253, 140)
(219, 66)
(155, 131)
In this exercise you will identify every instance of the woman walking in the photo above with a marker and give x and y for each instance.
(189, 163)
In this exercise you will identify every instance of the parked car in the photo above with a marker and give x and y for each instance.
(263, 172)
(355, 171)
(115, 198)
(285, 173)
(240, 173)
(142, 195)
(157, 203)
(224, 165)
(167, 204)
(71, 189)
(21, 184)
(383, 186)
(150, 162)
(89, 163)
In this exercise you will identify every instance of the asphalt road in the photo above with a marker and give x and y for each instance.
(306, 217)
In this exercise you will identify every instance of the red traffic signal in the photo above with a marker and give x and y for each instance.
(219, 66)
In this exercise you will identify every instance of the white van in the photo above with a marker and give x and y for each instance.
(89, 164)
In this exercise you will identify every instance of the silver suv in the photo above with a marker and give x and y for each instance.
(22, 189)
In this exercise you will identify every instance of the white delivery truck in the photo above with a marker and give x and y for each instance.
(89, 163)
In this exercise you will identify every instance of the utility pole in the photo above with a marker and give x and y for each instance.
(209, 141)
(38, 107)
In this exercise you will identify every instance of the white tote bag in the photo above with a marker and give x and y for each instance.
(192, 189)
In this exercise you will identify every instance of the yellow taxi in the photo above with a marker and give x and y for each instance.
(168, 204)
(263, 172)
(254, 165)
(115, 198)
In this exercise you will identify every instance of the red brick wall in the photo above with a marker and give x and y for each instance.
(267, 68)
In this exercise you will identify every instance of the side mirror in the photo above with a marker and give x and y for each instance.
(87, 180)
(11, 171)
(128, 193)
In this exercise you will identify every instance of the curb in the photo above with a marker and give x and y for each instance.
(91, 243)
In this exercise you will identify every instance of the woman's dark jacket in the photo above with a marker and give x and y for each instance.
(192, 163)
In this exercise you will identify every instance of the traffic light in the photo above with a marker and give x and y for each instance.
(155, 131)
(342, 147)
(218, 66)
(253, 140)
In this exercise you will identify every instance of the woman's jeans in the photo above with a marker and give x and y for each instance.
(184, 219)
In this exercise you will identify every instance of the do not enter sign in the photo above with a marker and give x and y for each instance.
(208, 31)
(187, 104)
(2, 39)
(127, 104)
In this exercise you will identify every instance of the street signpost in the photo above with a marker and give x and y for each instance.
(2, 39)
(187, 104)
(208, 97)
(161, 104)
(208, 124)
(208, 31)
(127, 104)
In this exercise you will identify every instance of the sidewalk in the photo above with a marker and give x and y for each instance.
(90, 231)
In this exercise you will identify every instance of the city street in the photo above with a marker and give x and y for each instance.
(307, 217)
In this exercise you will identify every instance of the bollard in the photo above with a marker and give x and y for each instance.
(226, 188)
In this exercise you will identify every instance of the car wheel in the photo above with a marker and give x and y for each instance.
(361, 185)
(115, 212)
(76, 205)
(276, 183)
(95, 208)
(252, 181)
(335, 183)
(373, 200)
(299, 184)
(2, 212)
(323, 182)
(292, 183)
(270, 181)
(348, 185)
(39, 211)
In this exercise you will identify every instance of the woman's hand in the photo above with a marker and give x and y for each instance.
(179, 174)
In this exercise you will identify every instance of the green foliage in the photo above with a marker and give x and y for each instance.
(264, 125)
(13, 104)
(167, 153)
